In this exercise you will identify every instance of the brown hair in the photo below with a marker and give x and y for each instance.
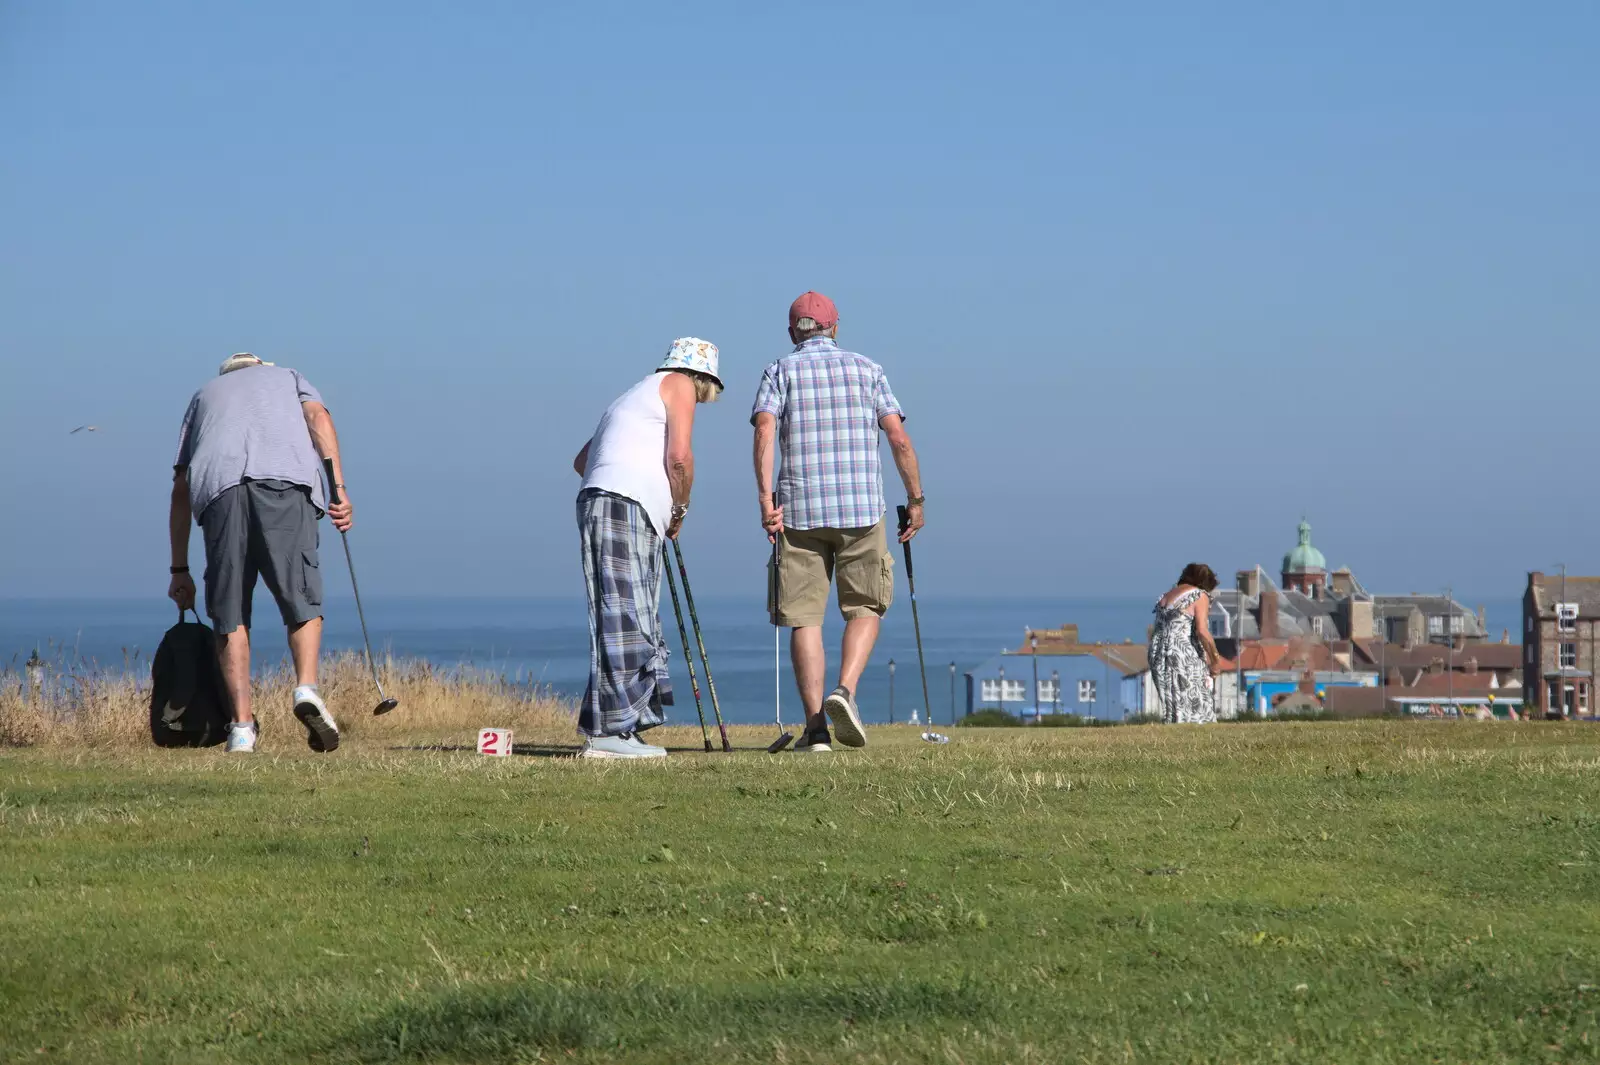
(1199, 575)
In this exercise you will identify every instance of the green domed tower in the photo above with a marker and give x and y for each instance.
(1304, 568)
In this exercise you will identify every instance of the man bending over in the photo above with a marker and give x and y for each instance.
(247, 470)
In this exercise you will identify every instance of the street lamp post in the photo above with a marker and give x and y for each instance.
(952, 695)
(1033, 644)
(891, 691)
(1000, 692)
(1450, 646)
(1055, 689)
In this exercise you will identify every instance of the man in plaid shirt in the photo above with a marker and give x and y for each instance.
(825, 407)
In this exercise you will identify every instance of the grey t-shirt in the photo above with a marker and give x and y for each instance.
(248, 424)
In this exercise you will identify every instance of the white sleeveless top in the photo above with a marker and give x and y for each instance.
(628, 452)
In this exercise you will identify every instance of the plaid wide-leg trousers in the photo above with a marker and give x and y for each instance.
(622, 560)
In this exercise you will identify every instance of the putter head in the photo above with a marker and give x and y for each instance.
(780, 743)
(385, 706)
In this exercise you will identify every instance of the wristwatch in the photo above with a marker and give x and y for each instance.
(679, 510)
(916, 501)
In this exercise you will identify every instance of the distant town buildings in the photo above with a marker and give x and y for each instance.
(1316, 639)
(1315, 603)
(1559, 616)
(1108, 681)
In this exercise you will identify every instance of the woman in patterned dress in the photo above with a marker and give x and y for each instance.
(1183, 657)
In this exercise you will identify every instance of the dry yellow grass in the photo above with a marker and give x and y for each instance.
(90, 709)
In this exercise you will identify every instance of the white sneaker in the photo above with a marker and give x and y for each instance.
(241, 738)
(840, 706)
(650, 749)
(321, 732)
(627, 745)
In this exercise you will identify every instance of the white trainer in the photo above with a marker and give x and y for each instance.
(840, 706)
(627, 745)
(241, 738)
(322, 734)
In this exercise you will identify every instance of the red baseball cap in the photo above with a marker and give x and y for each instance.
(817, 307)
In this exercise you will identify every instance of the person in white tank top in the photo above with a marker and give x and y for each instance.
(637, 470)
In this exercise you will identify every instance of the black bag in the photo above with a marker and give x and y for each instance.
(189, 706)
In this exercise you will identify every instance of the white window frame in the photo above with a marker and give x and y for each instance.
(1087, 690)
(1567, 617)
(1567, 655)
(1436, 625)
(989, 691)
(1047, 691)
(1458, 624)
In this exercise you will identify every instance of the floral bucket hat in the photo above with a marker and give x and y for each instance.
(692, 353)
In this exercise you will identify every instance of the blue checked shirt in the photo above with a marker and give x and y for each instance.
(827, 403)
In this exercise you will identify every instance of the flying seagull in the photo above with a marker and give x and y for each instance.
(81, 428)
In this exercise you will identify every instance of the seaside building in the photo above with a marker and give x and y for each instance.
(1321, 604)
(1560, 615)
(1322, 621)
(1108, 681)
(1305, 570)
(1432, 694)
(1304, 641)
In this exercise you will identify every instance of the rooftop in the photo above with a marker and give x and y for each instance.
(1548, 590)
(1304, 558)
(1126, 658)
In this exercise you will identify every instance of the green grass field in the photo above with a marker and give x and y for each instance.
(1363, 892)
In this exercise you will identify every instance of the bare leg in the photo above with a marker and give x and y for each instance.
(810, 663)
(860, 634)
(233, 654)
(305, 643)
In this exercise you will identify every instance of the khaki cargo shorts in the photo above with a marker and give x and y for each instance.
(807, 566)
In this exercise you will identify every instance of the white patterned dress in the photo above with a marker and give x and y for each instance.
(1177, 665)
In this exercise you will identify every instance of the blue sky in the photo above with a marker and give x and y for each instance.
(1152, 280)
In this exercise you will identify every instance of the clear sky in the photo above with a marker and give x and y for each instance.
(1152, 281)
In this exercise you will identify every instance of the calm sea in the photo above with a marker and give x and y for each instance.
(545, 641)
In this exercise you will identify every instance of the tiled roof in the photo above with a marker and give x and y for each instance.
(1489, 656)
(1441, 685)
(1126, 658)
(1585, 591)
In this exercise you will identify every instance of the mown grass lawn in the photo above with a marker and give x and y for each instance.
(1369, 892)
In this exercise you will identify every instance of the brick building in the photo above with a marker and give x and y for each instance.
(1560, 630)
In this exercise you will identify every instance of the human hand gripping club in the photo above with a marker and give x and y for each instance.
(339, 511)
(909, 524)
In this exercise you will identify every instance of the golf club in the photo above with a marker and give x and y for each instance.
(916, 622)
(784, 737)
(699, 638)
(688, 655)
(387, 703)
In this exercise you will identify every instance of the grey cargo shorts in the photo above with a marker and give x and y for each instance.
(267, 528)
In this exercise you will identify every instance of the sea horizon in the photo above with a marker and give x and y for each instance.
(542, 641)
